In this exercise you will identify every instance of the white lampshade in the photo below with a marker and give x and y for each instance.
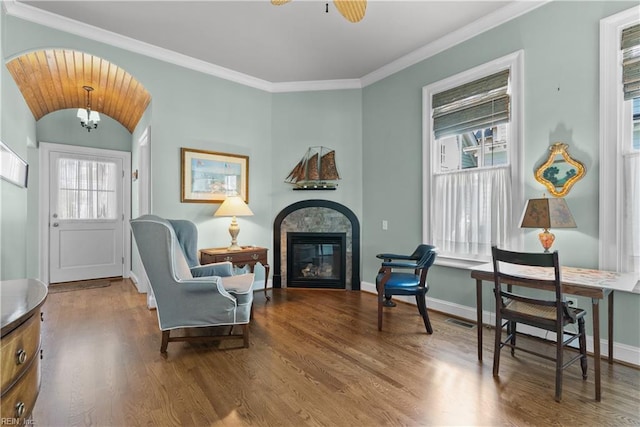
(233, 206)
(82, 115)
(94, 117)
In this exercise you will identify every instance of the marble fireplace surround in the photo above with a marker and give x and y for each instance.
(316, 216)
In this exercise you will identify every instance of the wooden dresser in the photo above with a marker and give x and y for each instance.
(247, 256)
(20, 348)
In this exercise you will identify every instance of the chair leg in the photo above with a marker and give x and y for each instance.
(496, 345)
(388, 302)
(559, 363)
(583, 347)
(513, 326)
(380, 303)
(422, 308)
(165, 342)
(245, 335)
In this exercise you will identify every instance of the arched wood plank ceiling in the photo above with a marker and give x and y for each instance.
(52, 80)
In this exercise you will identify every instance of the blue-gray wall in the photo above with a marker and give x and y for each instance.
(561, 61)
(17, 131)
(376, 131)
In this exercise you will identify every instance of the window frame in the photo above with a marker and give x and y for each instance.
(515, 62)
(613, 127)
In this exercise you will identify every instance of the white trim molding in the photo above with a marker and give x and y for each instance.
(612, 128)
(487, 22)
(515, 63)
(45, 150)
(492, 20)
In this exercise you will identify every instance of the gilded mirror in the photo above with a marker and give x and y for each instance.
(560, 171)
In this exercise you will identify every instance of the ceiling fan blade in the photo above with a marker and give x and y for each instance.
(353, 10)
(279, 2)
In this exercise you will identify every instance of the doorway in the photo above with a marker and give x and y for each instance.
(85, 209)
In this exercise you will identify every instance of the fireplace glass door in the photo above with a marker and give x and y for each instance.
(316, 260)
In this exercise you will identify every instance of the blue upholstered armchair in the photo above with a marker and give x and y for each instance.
(185, 296)
(187, 234)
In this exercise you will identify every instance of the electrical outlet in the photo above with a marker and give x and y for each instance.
(573, 302)
(385, 224)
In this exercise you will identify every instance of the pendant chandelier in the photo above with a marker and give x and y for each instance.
(88, 119)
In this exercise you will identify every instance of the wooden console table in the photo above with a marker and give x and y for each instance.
(594, 284)
(247, 256)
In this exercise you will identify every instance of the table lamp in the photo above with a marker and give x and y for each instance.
(547, 213)
(234, 206)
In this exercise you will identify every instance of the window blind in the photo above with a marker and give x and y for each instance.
(630, 45)
(471, 106)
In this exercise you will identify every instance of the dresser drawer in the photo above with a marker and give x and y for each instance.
(239, 258)
(18, 402)
(17, 350)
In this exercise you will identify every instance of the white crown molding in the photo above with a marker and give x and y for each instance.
(492, 20)
(315, 85)
(48, 19)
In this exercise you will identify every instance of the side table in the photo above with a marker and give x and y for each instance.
(247, 256)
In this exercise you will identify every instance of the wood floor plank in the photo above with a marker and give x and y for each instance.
(316, 359)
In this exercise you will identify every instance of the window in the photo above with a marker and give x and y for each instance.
(471, 162)
(474, 149)
(86, 189)
(620, 142)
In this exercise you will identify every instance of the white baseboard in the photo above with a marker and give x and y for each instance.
(624, 353)
(144, 288)
(134, 279)
(141, 286)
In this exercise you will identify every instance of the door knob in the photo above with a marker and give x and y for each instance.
(55, 224)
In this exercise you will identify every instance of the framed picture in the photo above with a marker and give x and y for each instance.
(208, 177)
(12, 168)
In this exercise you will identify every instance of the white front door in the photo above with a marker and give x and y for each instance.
(85, 217)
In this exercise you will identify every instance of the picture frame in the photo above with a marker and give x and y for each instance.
(560, 171)
(209, 176)
(12, 168)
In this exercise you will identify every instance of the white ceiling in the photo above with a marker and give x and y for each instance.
(295, 42)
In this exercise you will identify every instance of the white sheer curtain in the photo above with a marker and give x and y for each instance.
(86, 189)
(631, 216)
(470, 211)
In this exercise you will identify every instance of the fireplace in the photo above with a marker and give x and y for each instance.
(316, 260)
(319, 217)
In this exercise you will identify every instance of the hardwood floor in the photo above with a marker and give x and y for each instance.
(316, 359)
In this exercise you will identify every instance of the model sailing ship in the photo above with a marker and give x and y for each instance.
(316, 171)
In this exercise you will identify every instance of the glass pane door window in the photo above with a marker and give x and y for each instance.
(86, 189)
(482, 148)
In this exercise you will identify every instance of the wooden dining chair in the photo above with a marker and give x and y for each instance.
(550, 311)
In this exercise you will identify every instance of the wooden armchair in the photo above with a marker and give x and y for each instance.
(391, 280)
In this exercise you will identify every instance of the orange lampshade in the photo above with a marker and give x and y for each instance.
(547, 213)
